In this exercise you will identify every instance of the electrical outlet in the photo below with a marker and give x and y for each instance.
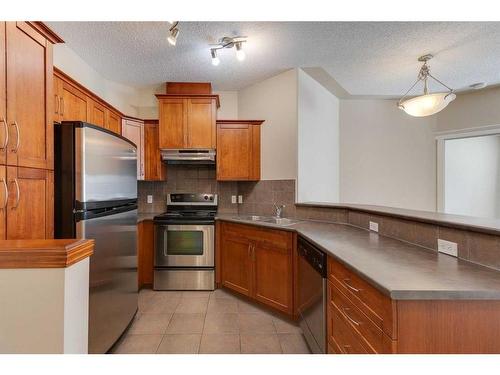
(233, 199)
(448, 247)
(240, 199)
(150, 199)
(374, 226)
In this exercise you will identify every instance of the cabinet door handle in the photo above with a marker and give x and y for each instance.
(249, 250)
(347, 284)
(253, 253)
(6, 193)
(57, 104)
(346, 309)
(16, 125)
(62, 106)
(347, 348)
(18, 192)
(6, 130)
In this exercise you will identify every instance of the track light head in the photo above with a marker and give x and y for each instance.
(240, 53)
(215, 58)
(172, 39)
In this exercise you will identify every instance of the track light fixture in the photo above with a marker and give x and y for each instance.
(174, 32)
(228, 42)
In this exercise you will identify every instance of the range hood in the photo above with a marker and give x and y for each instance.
(203, 156)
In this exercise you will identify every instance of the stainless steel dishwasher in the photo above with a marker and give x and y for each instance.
(312, 295)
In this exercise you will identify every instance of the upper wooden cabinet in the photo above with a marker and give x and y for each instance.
(73, 102)
(238, 150)
(30, 99)
(70, 103)
(113, 121)
(154, 169)
(134, 131)
(3, 98)
(187, 122)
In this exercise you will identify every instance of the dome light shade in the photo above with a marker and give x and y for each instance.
(172, 39)
(426, 105)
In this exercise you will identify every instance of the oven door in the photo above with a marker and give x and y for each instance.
(184, 245)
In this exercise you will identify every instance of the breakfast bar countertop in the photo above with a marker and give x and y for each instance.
(398, 269)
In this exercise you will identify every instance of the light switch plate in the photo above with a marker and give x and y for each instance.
(374, 226)
(448, 247)
(150, 199)
(233, 199)
(240, 199)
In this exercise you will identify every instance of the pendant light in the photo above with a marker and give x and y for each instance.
(426, 104)
(174, 32)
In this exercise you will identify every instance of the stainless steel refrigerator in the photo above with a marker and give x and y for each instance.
(96, 197)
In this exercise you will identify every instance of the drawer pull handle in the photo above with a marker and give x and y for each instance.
(347, 284)
(6, 195)
(346, 309)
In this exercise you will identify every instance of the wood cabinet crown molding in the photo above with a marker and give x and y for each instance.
(190, 96)
(248, 122)
(60, 253)
(43, 29)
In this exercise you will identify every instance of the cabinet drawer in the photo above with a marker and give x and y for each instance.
(277, 239)
(371, 335)
(376, 306)
(341, 334)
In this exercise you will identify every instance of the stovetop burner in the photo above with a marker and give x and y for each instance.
(189, 207)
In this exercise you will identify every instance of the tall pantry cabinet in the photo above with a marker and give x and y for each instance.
(26, 131)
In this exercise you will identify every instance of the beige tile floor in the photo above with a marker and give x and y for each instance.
(216, 322)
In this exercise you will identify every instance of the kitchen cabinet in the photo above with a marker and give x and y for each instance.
(97, 114)
(187, 122)
(238, 150)
(145, 253)
(258, 263)
(3, 98)
(113, 121)
(26, 132)
(236, 258)
(133, 130)
(29, 96)
(70, 103)
(29, 208)
(154, 168)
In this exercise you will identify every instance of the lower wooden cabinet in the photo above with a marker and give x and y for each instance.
(258, 263)
(145, 253)
(27, 210)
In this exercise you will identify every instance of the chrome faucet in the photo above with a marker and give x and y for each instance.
(278, 210)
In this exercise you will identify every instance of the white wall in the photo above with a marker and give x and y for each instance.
(275, 101)
(471, 176)
(471, 110)
(387, 158)
(116, 94)
(318, 142)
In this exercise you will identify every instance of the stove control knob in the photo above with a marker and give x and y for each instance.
(206, 197)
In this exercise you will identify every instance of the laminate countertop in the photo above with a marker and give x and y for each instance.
(398, 269)
(147, 216)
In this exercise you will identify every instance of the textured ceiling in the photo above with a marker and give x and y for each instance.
(365, 58)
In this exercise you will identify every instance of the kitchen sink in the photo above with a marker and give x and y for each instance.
(268, 219)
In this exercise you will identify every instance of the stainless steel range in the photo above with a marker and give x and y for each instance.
(184, 243)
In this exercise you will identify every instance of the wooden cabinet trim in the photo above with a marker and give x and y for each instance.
(193, 96)
(59, 253)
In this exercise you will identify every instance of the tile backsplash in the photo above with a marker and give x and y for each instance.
(186, 179)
